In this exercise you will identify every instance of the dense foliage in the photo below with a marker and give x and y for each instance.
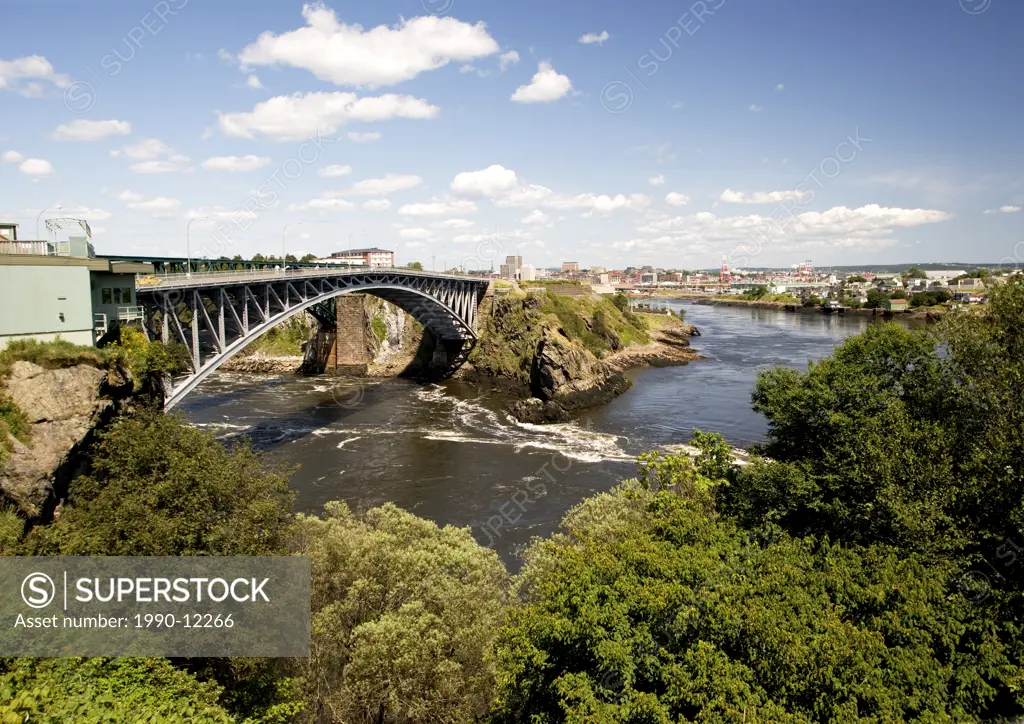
(160, 487)
(404, 614)
(105, 691)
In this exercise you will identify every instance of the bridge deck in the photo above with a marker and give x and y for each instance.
(208, 279)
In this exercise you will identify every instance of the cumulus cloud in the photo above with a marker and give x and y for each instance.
(387, 184)
(335, 169)
(676, 199)
(1003, 210)
(868, 226)
(300, 116)
(29, 75)
(377, 205)
(754, 108)
(382, 56)
(153, 156)
(323, 203)
(658, 180)
(507, 59)
(364, 137)
(535, 218)
(253, 81)
(595, 38)
(83, 130)
(547, 85)
(37, 168)
(158, 205)
(438, 207)
(236, 164)
(487, 182)
(759, 197)
(503, 187)
(453, 224)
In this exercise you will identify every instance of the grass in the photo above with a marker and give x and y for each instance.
(12, 526)
(380, 328)
(50, 355)
(284, 340)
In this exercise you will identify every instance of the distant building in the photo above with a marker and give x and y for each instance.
(527, 273)
(895, 305)
(570, 266)
(516, 262)
(372, 257)
(649, 278)
(8, 232)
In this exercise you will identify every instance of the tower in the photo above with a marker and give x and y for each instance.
(725, 277)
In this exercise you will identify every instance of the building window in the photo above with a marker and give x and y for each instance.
(126, 295)
(117, 295)
(105, 296)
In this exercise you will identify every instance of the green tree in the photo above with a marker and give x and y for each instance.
(647, 609)
(404, 615)
(306, 258)
(875, 298)
(54, 691)
(914, 273)
(160, 487)
(755, 293)
(415, 266)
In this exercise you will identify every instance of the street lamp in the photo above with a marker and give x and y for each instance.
(188, 245)
(284, 255)
(58, 207)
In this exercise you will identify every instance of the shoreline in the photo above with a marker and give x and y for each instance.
(707, 300)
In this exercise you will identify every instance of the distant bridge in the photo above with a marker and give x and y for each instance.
(216, 315)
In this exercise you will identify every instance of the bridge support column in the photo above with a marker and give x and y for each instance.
(350, 354)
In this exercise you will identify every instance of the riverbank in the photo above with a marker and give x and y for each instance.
(794, 307)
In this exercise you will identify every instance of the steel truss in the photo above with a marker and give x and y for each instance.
(216, 318)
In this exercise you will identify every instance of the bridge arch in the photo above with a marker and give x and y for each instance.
(225, 313)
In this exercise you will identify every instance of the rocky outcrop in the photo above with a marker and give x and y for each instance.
(65, 408)
(565, 378)
(671, 346)
(262, 364)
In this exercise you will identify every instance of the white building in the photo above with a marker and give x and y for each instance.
(527, 273)
(372, 257)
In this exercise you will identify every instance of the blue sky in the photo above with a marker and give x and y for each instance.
(608, 133)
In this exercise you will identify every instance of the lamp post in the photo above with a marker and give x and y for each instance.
(284, 254)
(188, 245)
(58, 207)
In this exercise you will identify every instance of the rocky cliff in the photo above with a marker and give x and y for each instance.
(64, 408)
(561, 355)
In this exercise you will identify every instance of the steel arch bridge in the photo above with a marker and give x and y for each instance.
(216, 315)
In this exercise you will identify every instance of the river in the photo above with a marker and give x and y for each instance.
(451, 454)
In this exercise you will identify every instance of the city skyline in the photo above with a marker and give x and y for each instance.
(617, 136)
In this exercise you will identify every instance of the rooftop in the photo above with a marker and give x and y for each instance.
(354, 252)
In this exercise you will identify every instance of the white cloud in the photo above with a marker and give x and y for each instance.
(780, 87)
(754, 108)
(438, 207)
(867, 226)
(674, 198)
(160, 205)
(86, 214)
(37, 168)
(675, 105)
(387, 184)
(487, 182)
(598, 38)
(323, 203)
(236, 164)
(300, 116)
(365, 137)
(535, 218)
(83, 130)
(1003, 210)
(253, 81)
(348, 55)
(453, 224)
(335, 169)
(153, 156)
(547, 85)
(34, 70)
(502, 186)
(415, 234)
(377, 205)
(759, 197)
(507, 59)
(658, 180)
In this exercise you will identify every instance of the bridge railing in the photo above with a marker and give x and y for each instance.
(198, 279)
